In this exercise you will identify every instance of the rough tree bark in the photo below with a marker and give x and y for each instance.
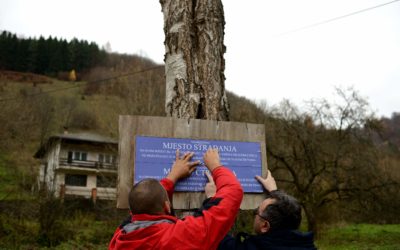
(194, 62)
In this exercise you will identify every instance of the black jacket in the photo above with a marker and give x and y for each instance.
(278, 240)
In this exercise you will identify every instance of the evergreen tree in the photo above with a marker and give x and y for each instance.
(65, 56)
(3, 43)
(48, 56)
(10, 47)
(32, 55)
(55, 59)
(22, 55)
(42, 59)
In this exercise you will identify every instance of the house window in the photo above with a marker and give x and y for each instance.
(79, 156)
(106, 181)
(75, 180)
(105, 158)
(70, 154)
(101, 158)
(83, 156)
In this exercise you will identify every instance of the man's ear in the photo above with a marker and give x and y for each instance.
(167, 207)
(265, 227)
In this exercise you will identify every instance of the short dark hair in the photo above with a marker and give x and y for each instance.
(284, 213)
(147, 197)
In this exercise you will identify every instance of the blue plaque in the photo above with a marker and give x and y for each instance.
(155, 156)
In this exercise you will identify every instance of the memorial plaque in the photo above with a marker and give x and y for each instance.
(154, 157)
(241, 145)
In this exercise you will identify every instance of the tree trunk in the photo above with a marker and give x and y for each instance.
(194, 59)
(311, 219)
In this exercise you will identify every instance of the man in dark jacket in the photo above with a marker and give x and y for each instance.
(276, 224)
(151, 225)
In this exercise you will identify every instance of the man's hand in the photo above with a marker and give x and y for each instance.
(210, 189)
(182, 167)
(211, 159)
(268, 183)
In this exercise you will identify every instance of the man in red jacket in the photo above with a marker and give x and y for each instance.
(151, 225)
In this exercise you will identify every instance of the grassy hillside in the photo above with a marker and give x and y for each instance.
(8, 180)
(32, 111)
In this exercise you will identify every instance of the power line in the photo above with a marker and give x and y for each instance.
(334, 19)
(104, 80)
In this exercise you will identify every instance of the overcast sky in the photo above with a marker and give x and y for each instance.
(270, 56)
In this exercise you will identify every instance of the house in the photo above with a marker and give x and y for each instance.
(79, 164)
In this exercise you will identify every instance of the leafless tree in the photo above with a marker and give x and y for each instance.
(324, 154)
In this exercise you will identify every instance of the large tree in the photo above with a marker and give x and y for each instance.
(194, 59)
(325, 154)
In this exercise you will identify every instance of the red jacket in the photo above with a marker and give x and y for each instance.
(202, 231)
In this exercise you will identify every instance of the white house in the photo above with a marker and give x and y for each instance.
(79, 164)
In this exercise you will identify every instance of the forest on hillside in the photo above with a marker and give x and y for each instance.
(339, 159)
(48, 56)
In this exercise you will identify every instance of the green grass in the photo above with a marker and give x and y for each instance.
(11, 179)
(91, 234)
(360, 236)
(8, 181)
(79, 231)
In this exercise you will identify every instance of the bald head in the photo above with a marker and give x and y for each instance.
(147, 197)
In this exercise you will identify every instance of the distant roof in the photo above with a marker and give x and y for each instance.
(84, 137)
